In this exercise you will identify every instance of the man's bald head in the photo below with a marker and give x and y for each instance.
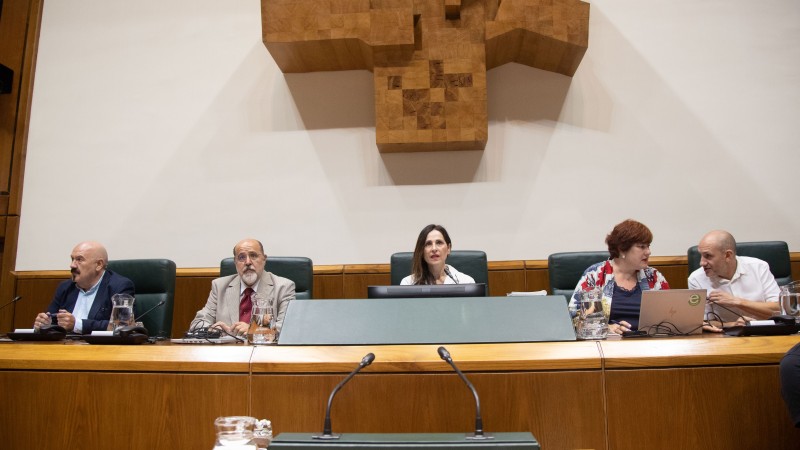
(88, 263)
(718, 254)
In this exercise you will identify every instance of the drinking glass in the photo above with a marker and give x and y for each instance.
(235, 432)
(790, 300)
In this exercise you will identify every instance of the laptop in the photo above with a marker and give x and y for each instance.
(672, 312)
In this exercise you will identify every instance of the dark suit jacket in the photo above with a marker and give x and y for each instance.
(67, 295)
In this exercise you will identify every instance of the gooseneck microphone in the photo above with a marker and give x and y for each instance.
(326, 428)
(445, 355)
(16, 299)
(148, 311)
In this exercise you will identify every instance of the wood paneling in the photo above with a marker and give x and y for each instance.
(100, 410)
(410, 389)
(191, 294)
(505, 277)
(36, 293)
(540, 402)
(19, 33)
(705, 407)
(358, 277)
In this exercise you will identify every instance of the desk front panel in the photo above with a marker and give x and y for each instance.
(701, 407)
(554, 390)
(701, 392)
(554, 406)
(102, 410)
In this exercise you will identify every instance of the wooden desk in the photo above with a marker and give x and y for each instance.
(721, 392)
(675, 393)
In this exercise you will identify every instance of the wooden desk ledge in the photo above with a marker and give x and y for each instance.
(425, 358)
(126, 358)
(705, 350)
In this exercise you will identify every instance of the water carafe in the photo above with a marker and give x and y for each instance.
(121, 312)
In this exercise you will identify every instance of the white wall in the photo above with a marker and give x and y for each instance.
(165, 129)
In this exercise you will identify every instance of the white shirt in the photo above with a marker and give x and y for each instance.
(452, 277)
(752, 280)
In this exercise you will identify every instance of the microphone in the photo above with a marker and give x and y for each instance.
(713, 304)
(326, 428)
(148, 311)
(126, 330)
(445, 355)
(447, 272)
(16, 299)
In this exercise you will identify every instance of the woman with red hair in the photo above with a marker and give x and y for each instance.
(623, 276)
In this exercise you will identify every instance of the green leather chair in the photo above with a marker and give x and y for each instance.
(296, 268)
(775, 253)
(565, 270)
(154, 280)
(470, 262)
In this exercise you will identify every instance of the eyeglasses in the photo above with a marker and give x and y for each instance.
(242, 257)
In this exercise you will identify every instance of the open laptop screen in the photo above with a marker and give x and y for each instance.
(673, 312)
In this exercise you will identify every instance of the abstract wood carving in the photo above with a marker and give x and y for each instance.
(428, 57)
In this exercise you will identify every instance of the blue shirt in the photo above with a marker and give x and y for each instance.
(625, 305)
(84, 304)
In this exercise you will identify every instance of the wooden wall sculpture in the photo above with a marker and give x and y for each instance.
(429, 57)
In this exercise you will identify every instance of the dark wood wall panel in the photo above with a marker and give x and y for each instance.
(505, 277)
(716, 407)
(355, 284)
(19, 33)
(91, 409)
(191, 294)
(36, 295)
(540, 402)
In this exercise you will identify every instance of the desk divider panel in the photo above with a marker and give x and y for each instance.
(427, 321)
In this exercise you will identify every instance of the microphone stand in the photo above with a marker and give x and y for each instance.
(16, 299)
(478, 435)
(326, 428)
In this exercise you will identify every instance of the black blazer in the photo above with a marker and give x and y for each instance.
(67, 295)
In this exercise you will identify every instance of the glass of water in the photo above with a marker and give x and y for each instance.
(790, 300)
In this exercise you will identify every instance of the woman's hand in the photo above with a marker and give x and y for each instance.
(618, 327)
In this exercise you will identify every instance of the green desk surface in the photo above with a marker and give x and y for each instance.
(304, 441)
(427, 321)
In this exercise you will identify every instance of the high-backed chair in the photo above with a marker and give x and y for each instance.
(565, 270)
(296, 268)
(470, 262)
(775, 253)
(154, 280)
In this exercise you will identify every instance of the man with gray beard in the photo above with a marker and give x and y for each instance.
(231, 300)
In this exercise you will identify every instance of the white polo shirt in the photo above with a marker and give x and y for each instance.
(751, 281)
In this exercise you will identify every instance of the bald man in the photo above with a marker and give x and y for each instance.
(231, 299)
(737, 286)
(83, 304)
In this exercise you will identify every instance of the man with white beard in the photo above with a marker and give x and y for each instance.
(230, 302)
